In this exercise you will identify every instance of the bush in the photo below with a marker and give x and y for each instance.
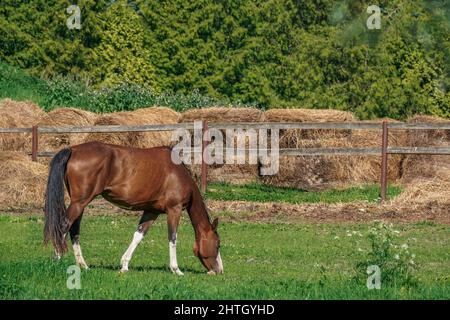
(396, 262)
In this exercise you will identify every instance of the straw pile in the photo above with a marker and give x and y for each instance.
(222, 114)
(14, 114)
(63, 117)
(290, 137)
(428, 191)
(22, 182)
(419, 167)
(367, 169)
(145, 116)
(231, 173)
(311, 172)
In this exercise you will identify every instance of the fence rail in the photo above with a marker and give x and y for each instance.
(237, 125)
(384, 150)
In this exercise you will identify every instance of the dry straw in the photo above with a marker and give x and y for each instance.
(222, 114)
(426, 166)
(367, 168)
(231, 173)
(311, 172)
(22, 182)
(146, 116)
(426, 178)
(14, 114)
(64, 117)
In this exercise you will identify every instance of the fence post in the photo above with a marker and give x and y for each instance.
(34, 143)
(204, 178)
(384, 161)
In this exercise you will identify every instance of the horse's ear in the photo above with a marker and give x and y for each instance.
(215, 223)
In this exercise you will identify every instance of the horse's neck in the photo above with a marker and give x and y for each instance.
(199, 215)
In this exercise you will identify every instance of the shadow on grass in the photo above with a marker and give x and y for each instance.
(142, 268)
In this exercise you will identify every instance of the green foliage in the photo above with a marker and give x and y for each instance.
(265, 193)
(271, 53)
(396, 262)
(70, 92)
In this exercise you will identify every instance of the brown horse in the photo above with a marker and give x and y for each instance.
(134, 179)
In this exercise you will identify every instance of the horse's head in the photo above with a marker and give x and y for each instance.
(206, 248)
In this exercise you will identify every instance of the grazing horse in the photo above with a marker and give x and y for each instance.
(133, 179)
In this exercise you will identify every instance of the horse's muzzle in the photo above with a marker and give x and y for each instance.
(218, 269)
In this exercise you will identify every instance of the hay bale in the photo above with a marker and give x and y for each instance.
(319, 172)
(307, 115)
(63, 117)
(153, 115)
(15, 114)
(311, 172)
(426, 166)
(314, 172)
(22, 182)
(290, 138)
(222, 114)
(367, 169)
(230, 173)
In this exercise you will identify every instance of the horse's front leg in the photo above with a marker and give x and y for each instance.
(173, 219)
(144, 224)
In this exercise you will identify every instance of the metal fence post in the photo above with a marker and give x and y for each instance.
(384, 161)
(34, 143)
(204, 178)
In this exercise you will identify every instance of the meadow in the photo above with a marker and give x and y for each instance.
(259, 192)
(261, 261)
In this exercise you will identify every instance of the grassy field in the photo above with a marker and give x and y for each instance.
(265, 193)
(261, 261)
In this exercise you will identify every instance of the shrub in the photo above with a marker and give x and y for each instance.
(396, 262)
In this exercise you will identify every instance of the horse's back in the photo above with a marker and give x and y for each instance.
(130, 177)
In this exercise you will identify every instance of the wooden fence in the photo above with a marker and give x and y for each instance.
(383, 151)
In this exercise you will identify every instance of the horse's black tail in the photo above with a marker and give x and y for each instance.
(55, 209)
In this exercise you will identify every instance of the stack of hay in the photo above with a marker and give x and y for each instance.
(22, 182)
(367, 168)
(230, 173)
(311, 172)
(65, 117)
(426, 166)
(145, 116)
(15, 114)
(427, 177)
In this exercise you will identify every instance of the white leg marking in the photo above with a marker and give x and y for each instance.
(57, 255)
(129, 253)
(173, 258)
(219, 263)
(79, 256)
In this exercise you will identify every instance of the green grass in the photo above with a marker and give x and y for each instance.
(261, 261)
(265, 193)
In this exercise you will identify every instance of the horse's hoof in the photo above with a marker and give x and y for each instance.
(84, 266)
(178, 272)
(123, 270)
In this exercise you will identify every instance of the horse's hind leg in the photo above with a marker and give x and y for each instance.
(173, 219)
(146, 221)
(75, 212)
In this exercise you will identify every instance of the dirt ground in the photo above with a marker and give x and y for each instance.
(349, 212)
(274, 212)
